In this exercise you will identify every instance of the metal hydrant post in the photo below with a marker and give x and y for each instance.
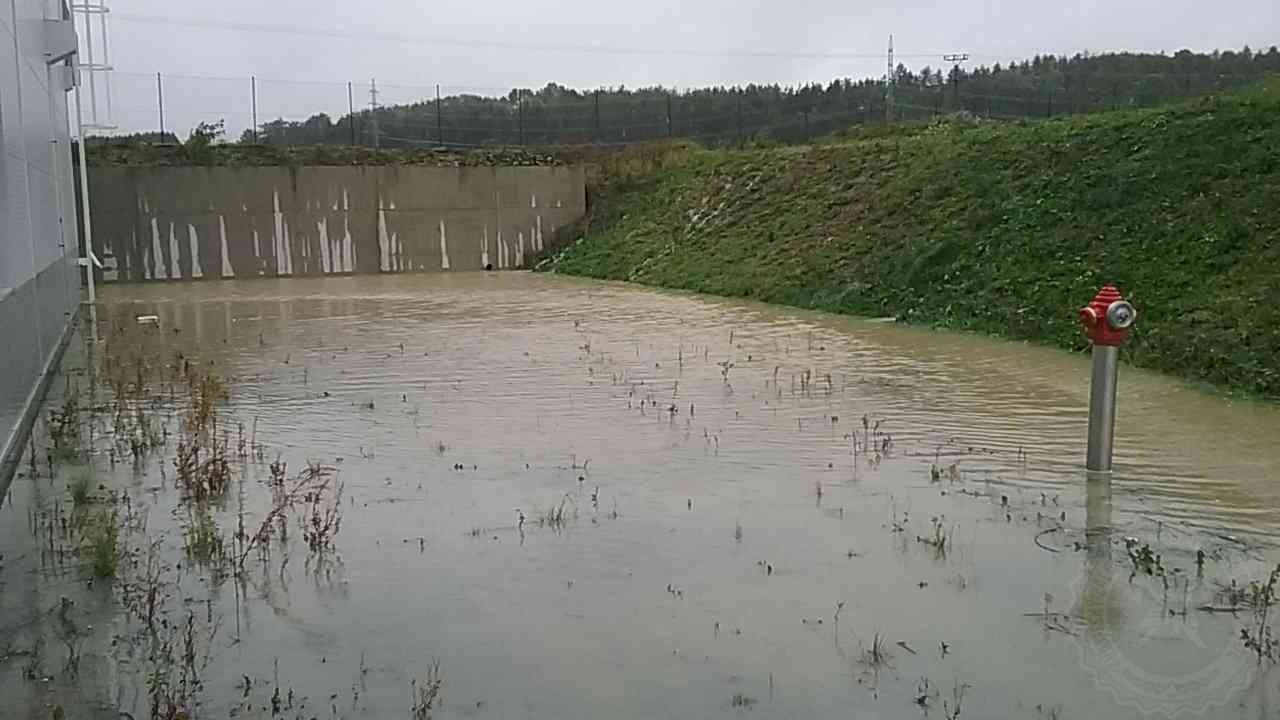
(1107, 321)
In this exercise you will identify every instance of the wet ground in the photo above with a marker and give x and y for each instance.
(597, 500)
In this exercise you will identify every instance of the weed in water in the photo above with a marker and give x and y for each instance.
(939, 539)
(1144, 560)
(951, 710)
(309, 486)
(926, 693)
(740, 700)
(1258, 639)
(323, 519)
(555, 517)
(426, 693)
(101, 543)
(876, 656)
(78, 483)
(64, 427)
(202, 537)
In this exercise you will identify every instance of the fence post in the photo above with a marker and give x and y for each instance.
(670, 128)
(740, 141)
(806, 126)
(596, 131)
(253, 92)
(160, 103)
(439, 120)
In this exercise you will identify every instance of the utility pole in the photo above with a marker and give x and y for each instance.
(160, 102)
(439, 119)
(806, 126)
(955, 58)
(373, 109)
(597, 117)
(253, 93)
(351, 112)
(890, 79)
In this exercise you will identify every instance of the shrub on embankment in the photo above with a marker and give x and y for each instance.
(1001, 228)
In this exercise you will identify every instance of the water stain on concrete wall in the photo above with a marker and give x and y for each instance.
(178, 223)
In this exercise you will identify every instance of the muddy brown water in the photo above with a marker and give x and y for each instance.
(703, 578)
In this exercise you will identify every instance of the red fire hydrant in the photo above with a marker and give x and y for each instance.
(1107, 321)
(1108, 318)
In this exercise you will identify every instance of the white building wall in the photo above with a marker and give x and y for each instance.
(39, 279)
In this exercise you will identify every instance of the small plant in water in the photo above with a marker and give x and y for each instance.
(939, 539)
(426, 693)
(740, 700)
(925, 694)
(102, 544)
(323, 519)
(951, 710)
(64, 427)
(877, 655)
(1144, 560)
(79, 485)
(202, 537)
(555, 517)
(1259, 640)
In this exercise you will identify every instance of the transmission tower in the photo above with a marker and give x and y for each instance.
(373, 109)
(955, 58)
(890, 79)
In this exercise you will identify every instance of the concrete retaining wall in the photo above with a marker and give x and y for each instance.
(170, 223)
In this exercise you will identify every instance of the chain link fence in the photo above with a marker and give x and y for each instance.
(372, 113)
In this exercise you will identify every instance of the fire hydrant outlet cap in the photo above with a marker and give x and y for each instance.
(1121, 315)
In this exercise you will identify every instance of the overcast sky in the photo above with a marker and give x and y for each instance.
(305, 51)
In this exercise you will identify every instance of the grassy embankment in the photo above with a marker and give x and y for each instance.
(1001, 228)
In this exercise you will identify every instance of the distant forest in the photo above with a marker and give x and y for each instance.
(1044, 86)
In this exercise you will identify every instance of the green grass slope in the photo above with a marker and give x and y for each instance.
(990, 227)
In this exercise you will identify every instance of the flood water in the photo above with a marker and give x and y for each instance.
(724, 549)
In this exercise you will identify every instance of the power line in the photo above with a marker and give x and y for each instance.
(493, 44)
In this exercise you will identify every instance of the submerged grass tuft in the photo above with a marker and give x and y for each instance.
(79, 484)
(426, 692)
(101, 543)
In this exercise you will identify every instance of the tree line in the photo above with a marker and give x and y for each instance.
(1043, 86)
